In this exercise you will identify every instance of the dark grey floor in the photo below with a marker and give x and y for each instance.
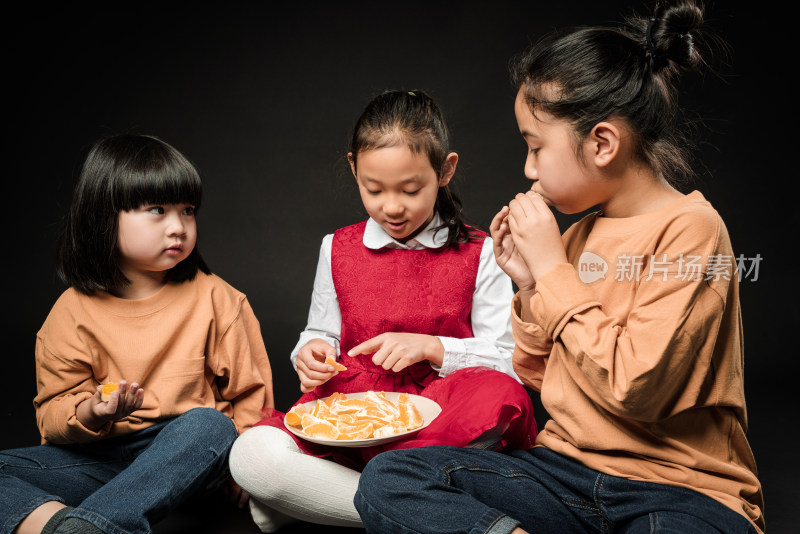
(771, 416)
(775, 452)
(214, 515)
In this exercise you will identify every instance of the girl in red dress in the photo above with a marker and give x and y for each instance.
(410, 300)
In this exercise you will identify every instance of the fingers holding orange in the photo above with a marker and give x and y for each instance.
(313, 365)
(118, 399)
(107, 389)
(336, 365)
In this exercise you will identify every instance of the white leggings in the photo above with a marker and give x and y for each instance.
(267, 463)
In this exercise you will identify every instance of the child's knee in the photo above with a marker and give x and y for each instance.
(263, 453)
(208, 425)
(374, 475)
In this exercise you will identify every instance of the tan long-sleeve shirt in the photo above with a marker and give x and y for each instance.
(636, 347)
(192, 344)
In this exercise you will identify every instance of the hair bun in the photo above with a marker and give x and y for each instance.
(670, 34)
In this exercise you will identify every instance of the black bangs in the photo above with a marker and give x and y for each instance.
(122, 173)
(152, 173)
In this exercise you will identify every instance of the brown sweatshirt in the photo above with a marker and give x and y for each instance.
(636, 347)
(192, 344)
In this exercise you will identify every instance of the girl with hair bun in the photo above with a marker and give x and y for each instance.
(629, 324)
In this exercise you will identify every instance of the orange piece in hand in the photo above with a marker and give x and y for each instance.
(336, 365)
(107, 390)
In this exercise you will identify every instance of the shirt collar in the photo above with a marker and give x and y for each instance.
(375, 237)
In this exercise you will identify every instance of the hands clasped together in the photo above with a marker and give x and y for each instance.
(527, 241)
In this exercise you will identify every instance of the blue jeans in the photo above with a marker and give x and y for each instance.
(435, 490)
(122, 484)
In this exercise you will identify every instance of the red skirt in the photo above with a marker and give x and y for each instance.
(473, 400)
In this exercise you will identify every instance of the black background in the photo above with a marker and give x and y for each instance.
(262, 98)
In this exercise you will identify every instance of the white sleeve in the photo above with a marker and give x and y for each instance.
(493, 343)
(324, 316)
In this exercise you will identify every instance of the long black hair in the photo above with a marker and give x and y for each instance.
(413, 118)
(121, 173)
(588, 75)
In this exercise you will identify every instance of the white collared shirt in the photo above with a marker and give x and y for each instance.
(491, 316)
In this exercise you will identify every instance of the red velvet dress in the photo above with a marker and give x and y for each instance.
(426, 291)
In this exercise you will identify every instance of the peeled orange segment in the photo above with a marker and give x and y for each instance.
(323, 429)
(340, 418)
(321, 409)
(348, 406)
(358, 427)
(107, 390)
(373, 413)
(379, 411)
(295, 414)
(409, 415)
(292, 418)
(332, 419)
(395, 427)
(356, 432)
(336, 397)
(348, 419)
(377, 421)
(307, 420)
(379, 399)
(336, 365)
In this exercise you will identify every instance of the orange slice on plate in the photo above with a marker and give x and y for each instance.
(363, 431)
(340, 418)
(395, 427)
(323, 429)
(409, 414)
(295, 414)
(348, 419)
(308, 420)
(336, 397)
(321, 409)
(379, 401)
(348, 406)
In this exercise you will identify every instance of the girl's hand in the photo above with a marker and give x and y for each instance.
(535, 233)
(93, 413)
(398, 350)
(506, 254)
(311, 366)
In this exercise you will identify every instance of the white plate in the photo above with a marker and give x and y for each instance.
(428, 409)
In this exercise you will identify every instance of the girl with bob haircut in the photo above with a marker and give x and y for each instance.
(148, 366)
(640, 370)
(120, 174)
(410, 300)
